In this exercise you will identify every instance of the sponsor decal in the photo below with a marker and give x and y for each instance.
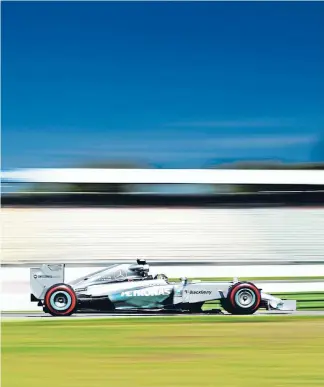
(147, 292)
(198, 292)
(102, 279)
(120, 274)
(45, 276)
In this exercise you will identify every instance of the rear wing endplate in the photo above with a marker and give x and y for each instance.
(43, 277)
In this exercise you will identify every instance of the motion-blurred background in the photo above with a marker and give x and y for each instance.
(162, 85)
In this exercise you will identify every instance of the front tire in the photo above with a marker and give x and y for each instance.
(60, 300)
(243, 298)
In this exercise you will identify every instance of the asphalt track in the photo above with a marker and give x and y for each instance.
(42, 316)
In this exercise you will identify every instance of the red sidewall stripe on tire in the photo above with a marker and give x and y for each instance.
(250, 286)
(66, 289)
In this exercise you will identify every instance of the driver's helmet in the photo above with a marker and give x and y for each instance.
(141, 269)
(142, 272)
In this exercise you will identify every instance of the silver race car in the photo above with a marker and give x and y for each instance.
(131, 288)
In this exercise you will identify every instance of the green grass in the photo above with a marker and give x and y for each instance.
(164, 352)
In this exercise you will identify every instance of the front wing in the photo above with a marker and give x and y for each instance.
(275, 303)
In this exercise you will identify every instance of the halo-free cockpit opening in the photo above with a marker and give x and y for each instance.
(120, 273)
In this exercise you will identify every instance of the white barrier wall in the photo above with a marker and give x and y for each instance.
(50, 234)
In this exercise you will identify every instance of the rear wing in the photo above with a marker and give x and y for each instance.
(43, 277)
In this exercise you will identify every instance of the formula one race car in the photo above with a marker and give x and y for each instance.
(130, 287)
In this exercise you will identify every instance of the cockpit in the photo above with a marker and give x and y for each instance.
(119, 273)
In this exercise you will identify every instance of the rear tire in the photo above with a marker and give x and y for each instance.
(243, 298)
(60, 300)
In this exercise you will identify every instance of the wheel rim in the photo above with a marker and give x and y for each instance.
(60, 300)
(245, 298)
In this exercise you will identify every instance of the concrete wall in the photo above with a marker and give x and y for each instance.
(49, 234)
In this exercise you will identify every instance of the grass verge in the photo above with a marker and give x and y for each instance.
(164, 352)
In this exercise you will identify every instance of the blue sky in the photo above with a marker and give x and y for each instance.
(170, 84)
